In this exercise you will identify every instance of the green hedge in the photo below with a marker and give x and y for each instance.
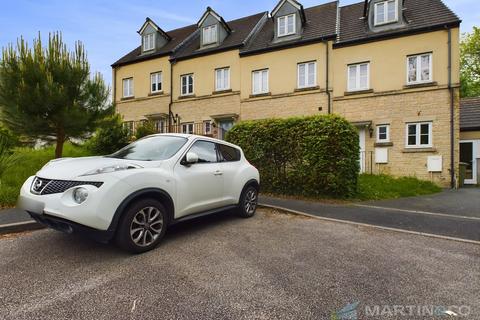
(308, 156)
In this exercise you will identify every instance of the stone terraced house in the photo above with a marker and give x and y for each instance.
(390, 67)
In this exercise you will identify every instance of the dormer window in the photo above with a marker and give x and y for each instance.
(149, 42)
(286, 25)
(386, 12)
(210, 34)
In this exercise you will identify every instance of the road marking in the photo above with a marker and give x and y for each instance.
(418, 212)
(372, 226)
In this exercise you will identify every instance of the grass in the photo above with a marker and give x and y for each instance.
(377, 187)
(28, 163)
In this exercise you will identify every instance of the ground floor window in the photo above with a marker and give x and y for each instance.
(207, 127)
(383, 133)
(160, 125)
(187, 128)
(419, 135)
(130, 126)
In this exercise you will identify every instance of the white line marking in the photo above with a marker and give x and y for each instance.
(32, 222)
(134, 305)
(417, 211)
(373, 226)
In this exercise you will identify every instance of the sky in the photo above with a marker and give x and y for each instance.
(108, 28)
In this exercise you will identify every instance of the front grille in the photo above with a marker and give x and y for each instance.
(43, 186)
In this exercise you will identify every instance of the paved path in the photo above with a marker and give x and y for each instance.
(450, 221)
(273, 266)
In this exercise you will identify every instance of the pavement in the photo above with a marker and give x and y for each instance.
(272, 266)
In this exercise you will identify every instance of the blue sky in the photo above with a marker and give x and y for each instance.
(108, 27)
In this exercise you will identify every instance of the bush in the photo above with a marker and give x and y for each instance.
(110, 137)
(145, 129)
(309, 156)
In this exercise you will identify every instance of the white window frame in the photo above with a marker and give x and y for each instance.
(187, 93)
(357, 77)
(207, 127)
(210, 32)
(157, 78)
(186, 126)
(225, 79)
(262, 90)
(146, 42)
(385, 12)
(387, 139)
(418, 135)
(419, 68)
(129, 93)
(307, 68)
(285, 19)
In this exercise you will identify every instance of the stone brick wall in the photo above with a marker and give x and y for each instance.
(135, 110)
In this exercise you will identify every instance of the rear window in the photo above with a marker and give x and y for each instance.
(229, 153)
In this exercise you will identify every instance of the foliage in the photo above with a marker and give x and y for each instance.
(7, 159)
(376, 187)
(310, 156)
(28, 162)
(110, 137)
(470, 64)
(48, 92)
(145, 129)
(8, 138)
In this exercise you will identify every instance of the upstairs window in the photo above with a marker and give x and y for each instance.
(386, 12)
(358, 76)
(286, 25)
(419, 68)
(260, 82)
(210, 34)
(187, 84)
(156, 82)
(307, 75)
(222, 79)
(148, 42)
(128, 88)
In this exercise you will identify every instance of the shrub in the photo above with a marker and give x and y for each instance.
(145, 129)
(309, 156)
(110, 137)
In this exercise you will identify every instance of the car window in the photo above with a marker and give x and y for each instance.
(151, 149)
(206, 151)
(229, 153)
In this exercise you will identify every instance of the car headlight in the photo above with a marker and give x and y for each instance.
(80, 195)
(110, 169)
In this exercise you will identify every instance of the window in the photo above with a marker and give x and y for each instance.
(286, 25)
(187, 84)
(222, 79)
(260, 82)
(160, 126)
(148, 42)
(307, 74)
(419, 68)
(210, 34)
(383, 133)
(206, 151)
(156, 82)
(358, 76)
(207, 127)
(130, 126)
(228, 153)
(419, 135)
(128, 88)
(187, 128)
(386, 12)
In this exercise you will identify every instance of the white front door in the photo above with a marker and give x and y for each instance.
(361, 136)
(469, 151)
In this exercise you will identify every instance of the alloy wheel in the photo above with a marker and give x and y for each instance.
(251, 201)
(146, 226)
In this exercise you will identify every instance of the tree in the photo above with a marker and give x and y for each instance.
(48, 92)
(147, 128)
(110, 137)
(470, 64)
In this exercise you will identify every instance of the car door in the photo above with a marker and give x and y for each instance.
(229, 158)
(199, 185)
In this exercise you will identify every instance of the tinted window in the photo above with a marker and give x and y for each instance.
(151, 149)
(229, 153)
(206, 151)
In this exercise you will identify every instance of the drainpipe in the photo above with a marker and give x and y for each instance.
(114, 87)
(327, 62)
(452, 110)
(172, 62)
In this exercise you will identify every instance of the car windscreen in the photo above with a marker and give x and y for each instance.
(151, 149)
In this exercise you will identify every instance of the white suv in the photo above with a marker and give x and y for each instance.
(133, 195)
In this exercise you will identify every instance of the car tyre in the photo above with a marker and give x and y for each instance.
(143, 226)
(248, 202)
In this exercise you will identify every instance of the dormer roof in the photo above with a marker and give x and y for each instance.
(212, 12)
(294, 3)
(150, 22)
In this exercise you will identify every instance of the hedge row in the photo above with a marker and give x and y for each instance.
(309, 156)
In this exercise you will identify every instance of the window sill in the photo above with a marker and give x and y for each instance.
(383, 144)
(351, 93)
(152, 94)
(187, 96)
(420, 85)
(419, 150)
(306, 89)
(258, 95)
(127, 98)
(222, 91)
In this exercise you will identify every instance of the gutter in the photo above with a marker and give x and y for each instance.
(452, 109)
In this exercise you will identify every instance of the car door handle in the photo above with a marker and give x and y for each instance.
(218, 173)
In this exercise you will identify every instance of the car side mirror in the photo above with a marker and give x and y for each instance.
(191, 158)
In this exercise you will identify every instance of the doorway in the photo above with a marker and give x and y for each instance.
(468, 155)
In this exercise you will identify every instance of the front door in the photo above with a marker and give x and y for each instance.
(224, 126)
(468, 153)
(361, 137)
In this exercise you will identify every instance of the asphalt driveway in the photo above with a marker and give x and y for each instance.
(273, 266)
